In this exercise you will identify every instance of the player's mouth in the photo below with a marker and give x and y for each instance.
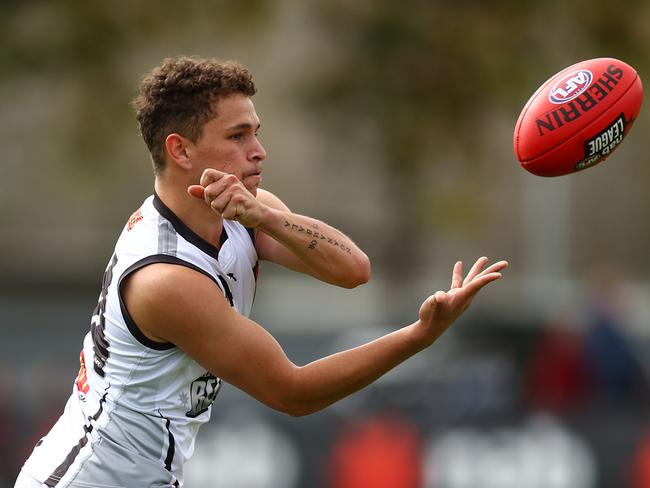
(255, 176)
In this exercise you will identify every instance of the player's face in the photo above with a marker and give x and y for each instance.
(229, 142)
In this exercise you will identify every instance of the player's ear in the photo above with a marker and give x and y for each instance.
(177, 150)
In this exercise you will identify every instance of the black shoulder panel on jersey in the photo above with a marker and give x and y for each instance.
(157, 258)
(188, 234)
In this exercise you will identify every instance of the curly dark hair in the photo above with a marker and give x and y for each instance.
(179, 96)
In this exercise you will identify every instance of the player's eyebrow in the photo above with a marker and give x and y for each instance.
(244, 126)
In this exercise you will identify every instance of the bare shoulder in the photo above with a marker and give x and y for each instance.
(157, 282)
(166, 299)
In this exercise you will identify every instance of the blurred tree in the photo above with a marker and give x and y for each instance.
(69, 70)
(85, 43)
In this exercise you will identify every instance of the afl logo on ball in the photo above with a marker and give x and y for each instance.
(570, 86)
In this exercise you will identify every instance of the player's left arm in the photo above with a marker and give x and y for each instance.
(308, 245)
(295, 241)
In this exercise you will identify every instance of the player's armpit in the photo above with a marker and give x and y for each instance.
(176, 304)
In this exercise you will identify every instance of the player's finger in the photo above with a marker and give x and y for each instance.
(220, 203)
(233, 210)
(457, 275)
(496, 267)
(216, 189)
(473, 287)
(196, 191)
(476, 269)
(210, 176)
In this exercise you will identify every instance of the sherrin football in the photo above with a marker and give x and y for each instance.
(578, 117)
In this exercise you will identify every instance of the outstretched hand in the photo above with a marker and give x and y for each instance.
(441, 309)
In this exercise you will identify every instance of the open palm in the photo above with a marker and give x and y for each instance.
(441, 309)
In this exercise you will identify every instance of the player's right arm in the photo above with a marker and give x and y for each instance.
(172, 303)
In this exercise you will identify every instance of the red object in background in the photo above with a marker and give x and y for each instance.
(557, 376)
(381, 452)
(578, 117)
(640, 472)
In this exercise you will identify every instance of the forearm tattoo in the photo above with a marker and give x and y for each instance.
(316, 236)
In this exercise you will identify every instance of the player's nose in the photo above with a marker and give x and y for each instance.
(258, 153)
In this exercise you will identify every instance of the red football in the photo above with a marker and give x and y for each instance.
(578, 117)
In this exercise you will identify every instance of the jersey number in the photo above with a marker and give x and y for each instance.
(97, 323)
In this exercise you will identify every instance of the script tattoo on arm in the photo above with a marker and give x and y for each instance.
(316, 236)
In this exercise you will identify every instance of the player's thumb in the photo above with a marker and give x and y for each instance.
(428, 308)
(196, 191)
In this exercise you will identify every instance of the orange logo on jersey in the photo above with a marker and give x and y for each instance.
(82, 380)
(134, 219)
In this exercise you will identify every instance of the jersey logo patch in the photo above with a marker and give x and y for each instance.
(203, 392)
(134, 219)
(82, 379)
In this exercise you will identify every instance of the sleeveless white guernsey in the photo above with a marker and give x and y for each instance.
(137, 405)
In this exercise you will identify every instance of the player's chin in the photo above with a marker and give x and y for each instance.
(253, 182)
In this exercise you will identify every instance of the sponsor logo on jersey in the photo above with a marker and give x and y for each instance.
(203, 392)
(134, 219)
(602, 144)
(82, 378)
(570, 86)
(587, 98)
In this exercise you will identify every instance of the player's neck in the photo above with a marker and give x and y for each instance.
(194, 213)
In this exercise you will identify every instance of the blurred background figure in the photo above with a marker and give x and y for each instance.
(558, 376)
(589, 360)
(617, 374)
